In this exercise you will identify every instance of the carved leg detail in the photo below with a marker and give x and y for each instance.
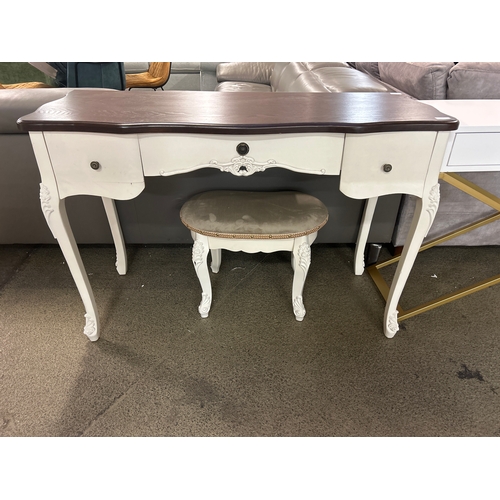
(116, 232)
(298, 308)
(91, 327)
(200, 254)
(364, 230)
(301, 262)
(54, 210)
(425, 212)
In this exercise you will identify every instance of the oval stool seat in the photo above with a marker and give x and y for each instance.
(251, 221)
(250, 214)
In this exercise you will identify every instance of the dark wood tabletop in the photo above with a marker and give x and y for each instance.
(235, 112)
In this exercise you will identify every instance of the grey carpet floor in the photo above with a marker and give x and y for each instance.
(249, 369)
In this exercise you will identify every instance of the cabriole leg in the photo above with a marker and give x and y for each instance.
(200, 254)
(301, 261)
(54, 210)
(425, 212)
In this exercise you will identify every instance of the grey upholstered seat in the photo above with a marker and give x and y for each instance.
(249, 214)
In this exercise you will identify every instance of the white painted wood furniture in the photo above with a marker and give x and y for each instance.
(105, 143)
(251, 222)
(473, 147)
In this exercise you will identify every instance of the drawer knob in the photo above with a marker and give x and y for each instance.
(95, 165)
(242, 148)
(387, 167)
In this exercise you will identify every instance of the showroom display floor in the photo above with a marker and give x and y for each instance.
(249, 369)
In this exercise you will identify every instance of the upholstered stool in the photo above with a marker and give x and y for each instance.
(253, 222)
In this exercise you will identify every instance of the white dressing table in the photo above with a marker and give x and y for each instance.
(105, 144)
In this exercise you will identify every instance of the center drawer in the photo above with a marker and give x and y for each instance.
(169, 154)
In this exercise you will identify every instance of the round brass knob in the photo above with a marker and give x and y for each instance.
(387, 167)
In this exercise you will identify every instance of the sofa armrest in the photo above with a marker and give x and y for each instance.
(256, 72)
(474, 80)
(422, 80)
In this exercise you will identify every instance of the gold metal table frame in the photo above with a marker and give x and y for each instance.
(480, 194)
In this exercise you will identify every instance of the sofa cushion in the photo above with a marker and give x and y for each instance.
(242, 87)
(348, 80)
(422, 80)
(316, 65)
(327, 79)
(474, 80)
(289, 77)
(276, 74)
(256, 72)
(285, 74)
(368, 67)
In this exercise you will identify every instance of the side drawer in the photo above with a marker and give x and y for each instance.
(98, 164)
(386, 163)
(169, 154)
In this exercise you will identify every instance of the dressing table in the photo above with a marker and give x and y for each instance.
(105, 143)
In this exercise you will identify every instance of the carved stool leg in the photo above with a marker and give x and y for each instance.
(216, 259)
(301, 262)
(201, 249)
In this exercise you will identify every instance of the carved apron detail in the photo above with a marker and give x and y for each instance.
(244, 166)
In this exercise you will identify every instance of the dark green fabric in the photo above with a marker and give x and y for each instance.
(110, 75)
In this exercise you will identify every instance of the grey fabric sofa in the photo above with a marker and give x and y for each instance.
(447, 80)
(438, 80)
(419, 80)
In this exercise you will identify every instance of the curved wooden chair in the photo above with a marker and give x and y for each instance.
(155, 77)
